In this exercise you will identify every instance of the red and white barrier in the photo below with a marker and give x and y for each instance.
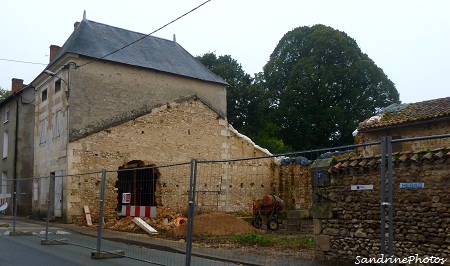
(139, 211)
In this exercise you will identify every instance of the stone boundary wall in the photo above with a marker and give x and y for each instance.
(347, 222)
(293, 185)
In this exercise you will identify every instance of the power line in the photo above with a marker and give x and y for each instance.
(185, 14)
(115, 51)
(23, 62)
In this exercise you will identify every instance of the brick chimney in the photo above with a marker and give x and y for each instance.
(54, 49)
(17, 85)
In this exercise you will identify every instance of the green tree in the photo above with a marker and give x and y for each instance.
(322, 85)
(247, 101)
(267, 138)
(259, 117)
(4, 93)
(237, 95)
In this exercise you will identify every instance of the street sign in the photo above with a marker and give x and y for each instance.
(126, 198)
(412, 185)
(361, 187)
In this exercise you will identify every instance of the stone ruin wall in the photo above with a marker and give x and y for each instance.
(292, 183)
(170, 135)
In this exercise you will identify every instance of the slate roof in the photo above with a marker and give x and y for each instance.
(95, 40)
(397, 115)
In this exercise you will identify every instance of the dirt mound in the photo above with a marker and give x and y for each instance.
(213, 224)
(163, 221)
(217, 224)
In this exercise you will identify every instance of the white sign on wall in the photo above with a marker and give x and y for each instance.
(126, 198)
(361, 187)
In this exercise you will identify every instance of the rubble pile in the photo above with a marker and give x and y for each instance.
(214, 223)
(163, 221)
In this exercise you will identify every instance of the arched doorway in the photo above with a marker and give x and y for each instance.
(138, 182)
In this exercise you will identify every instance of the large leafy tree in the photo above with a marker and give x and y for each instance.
(259, 123)
(322, 85)
(247, 101)
(231, 71)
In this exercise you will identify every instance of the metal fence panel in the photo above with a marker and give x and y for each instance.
(140, 204)
(396, 203)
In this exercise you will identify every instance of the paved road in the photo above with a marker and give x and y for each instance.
(27, 250)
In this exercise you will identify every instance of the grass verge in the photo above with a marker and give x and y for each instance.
(297, 241)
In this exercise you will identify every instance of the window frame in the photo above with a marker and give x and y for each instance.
(57, 124)
(57, 85)
(44, 95)
(5, 144)
(7, 113)
(43, 131)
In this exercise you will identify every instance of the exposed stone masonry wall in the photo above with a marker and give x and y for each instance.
(347, 222)
(172, 134)
(293, 185)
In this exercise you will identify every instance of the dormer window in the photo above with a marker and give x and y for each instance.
(44, 95)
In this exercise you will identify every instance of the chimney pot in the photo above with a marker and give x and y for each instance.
(16, 85)
(54, 49)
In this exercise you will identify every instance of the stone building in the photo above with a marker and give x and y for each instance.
(347, 197)
(412, 120)
(16, 127)
(104, 104)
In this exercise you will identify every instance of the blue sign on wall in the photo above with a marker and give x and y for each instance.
(319, 175)
(412, 185)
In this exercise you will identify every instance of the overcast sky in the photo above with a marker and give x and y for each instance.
(409, 40)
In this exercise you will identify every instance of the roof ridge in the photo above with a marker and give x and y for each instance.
(439, 155)
(131, 31)
(412, 113)
(110, 43)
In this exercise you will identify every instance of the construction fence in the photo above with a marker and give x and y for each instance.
(394, 203)
(142, 206)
